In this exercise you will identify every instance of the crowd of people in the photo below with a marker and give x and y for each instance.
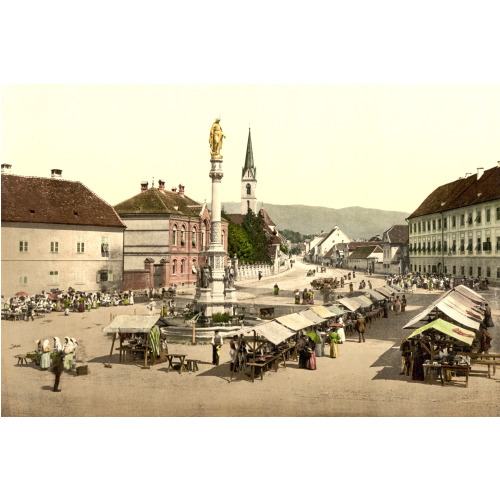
(58, 358)
(412, 281)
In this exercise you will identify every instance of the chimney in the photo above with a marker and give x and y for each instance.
(174, 190)
(480, 172)
(181, 189)
(6, 168)
(161, 185)
(498, 163)
(55, 173)
(144, 185)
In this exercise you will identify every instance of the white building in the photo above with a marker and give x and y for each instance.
(395, 247)
(58, 234)
(456, 230)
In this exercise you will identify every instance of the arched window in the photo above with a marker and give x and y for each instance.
(194, 237)
(183, 236)
(174, 236)
(182, 266)
(222, 236)
(204, 235)
(174, 267)
(193, 266)
(249, 189)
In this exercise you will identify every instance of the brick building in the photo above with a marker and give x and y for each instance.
(166, 238)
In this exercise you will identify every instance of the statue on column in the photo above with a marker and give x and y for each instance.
(206, 275)
(215, 140)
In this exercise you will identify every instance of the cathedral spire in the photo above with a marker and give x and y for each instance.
(249, 165)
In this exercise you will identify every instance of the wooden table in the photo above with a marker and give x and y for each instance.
(456, 368)
(21, 358)
(170, 358)
(274, 360)
(429, 369)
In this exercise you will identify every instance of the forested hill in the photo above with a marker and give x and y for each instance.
(356, 222)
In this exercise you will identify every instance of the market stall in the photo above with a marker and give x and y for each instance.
(139, 337)
(440, 346)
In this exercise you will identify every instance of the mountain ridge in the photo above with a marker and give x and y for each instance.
(356, 222)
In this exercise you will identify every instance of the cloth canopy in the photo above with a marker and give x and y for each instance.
(364, 300)
(323, 312)
(274, 332)
(312, 316)
(127, 323)
(448, 329)
(384, 292)
(376, 295)
(350, 304)
(465, 301)
(390, 290)
(469, 293)
(449, 311)
(473, 314)
(295, 321)
(336, 310)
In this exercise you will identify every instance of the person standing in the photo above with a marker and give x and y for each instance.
(232, 352)
(405, 349)
(334, 340)
(397, 305)
(403, 304)
(45, 357)
(301, 348)
(216, 342)
(29, 313)
(360, 327)
(487, 316)
(57, 369)
(311, 355)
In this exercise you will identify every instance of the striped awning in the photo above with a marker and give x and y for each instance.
(471, 294)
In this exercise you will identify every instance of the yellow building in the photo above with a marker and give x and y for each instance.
(456, 230)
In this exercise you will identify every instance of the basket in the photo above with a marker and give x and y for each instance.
(82, 370)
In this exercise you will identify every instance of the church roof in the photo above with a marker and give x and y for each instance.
(158, 201)
(249, 164)
(42, 200)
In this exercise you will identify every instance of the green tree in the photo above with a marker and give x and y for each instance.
(254, 227)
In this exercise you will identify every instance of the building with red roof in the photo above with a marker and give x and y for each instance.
(456, 229)
(58, 234)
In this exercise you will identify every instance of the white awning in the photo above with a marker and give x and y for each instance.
(274, 332)
(295, 321)
(376, 295)
(350, 304)
(311, 315)
(128, 323)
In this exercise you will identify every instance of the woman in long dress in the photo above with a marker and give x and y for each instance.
(68, 354)
(45, 357)
(311, 355)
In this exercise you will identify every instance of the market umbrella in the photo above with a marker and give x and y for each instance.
(21, 294)
(314, 336)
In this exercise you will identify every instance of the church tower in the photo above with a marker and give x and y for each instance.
(248, 181)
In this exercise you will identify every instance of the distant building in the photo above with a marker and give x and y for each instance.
(166, 238)
(321, 249)
(456, 230)
(249, 181)
(365, 257)
(395, 247)
(58, 234)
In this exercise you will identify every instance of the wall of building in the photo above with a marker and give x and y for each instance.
(454, 226)
(73, 262)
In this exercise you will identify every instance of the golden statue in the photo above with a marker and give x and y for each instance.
(215, 140)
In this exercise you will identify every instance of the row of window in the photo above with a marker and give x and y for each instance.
(472, 272)
(469, 217)
(478, 247)
(80, 246)
(182, 242)
(53, 277)
(182, 268)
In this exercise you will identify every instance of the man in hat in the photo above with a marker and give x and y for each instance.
(360, 327)
(57, 368)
